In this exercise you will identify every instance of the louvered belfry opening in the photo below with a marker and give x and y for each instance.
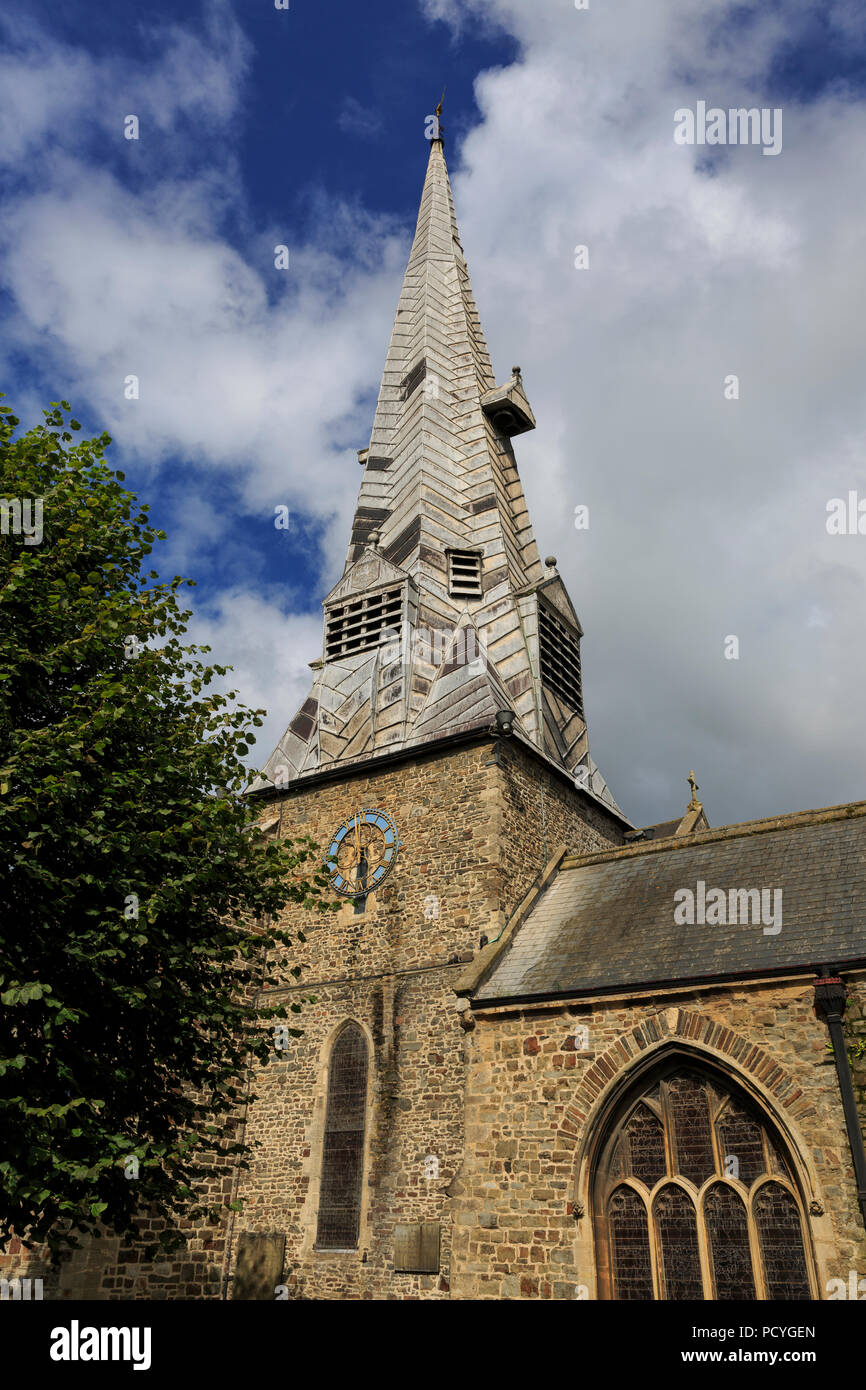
(694, 1200)
(464, 573)
(339, 1217)
(362, 622)
(559, 654)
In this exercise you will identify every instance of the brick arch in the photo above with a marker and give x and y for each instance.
(698, 1036)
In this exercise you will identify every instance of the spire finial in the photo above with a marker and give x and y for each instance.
(440, 129)
(694, 804)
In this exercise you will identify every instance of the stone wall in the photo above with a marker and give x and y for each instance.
(476, 827)
(505, 1109)
(533, 1096)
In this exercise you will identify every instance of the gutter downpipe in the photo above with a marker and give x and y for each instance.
(830, 998)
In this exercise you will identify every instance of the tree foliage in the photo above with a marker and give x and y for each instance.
(136, 898)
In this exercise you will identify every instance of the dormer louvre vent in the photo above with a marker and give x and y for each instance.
(464, 573)
(358, 624)
(560, 658)
(412, 380)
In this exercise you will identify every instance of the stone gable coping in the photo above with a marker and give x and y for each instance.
(821, 816)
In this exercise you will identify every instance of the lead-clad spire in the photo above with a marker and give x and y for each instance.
(437, 472)
(444, 615)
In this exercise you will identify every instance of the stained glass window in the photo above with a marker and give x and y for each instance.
(646, 1146)
(691, 1121)
(689, 1125)
(677, 1229)
(742, 1141)
(781, 1237)
(630, 1245)
(343, 1150)
(728, 1234)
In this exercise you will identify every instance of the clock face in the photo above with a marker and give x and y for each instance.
(362, 853)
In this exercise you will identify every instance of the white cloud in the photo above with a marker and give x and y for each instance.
(248, 370)
(269, 651)
(356, 119)
(53, 92)
(225, 375)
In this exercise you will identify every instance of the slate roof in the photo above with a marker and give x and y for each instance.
(606, 921)
(663, 830)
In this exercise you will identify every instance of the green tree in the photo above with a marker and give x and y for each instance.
(136, 896)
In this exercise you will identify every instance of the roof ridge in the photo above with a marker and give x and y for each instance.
(739, 829)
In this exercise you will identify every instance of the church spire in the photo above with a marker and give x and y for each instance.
(439, 471)
(444, 615)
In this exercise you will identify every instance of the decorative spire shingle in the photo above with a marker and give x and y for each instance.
(444, 613)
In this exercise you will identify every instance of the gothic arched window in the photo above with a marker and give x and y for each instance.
(343, 1149)
(692, 1198)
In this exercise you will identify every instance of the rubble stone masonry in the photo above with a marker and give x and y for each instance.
(477, 822)
(521, 1210)
(508, 1107)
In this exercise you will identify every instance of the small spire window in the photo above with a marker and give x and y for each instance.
(362, 623)
(559, 655)
(464, 573)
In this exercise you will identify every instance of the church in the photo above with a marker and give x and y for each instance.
(551, 1054)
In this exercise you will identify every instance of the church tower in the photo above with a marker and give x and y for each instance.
(441, 761)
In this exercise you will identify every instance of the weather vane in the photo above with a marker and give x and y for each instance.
(439, 126)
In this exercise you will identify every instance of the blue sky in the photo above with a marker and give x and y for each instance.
(306, 127)
(328, 110)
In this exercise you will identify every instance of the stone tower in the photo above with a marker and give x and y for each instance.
(441, 761)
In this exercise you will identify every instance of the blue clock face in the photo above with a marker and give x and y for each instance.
(362, 853)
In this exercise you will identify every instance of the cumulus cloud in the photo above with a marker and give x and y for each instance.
(262, 373)
(269, 653)
(48, 86)
(259, 387)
